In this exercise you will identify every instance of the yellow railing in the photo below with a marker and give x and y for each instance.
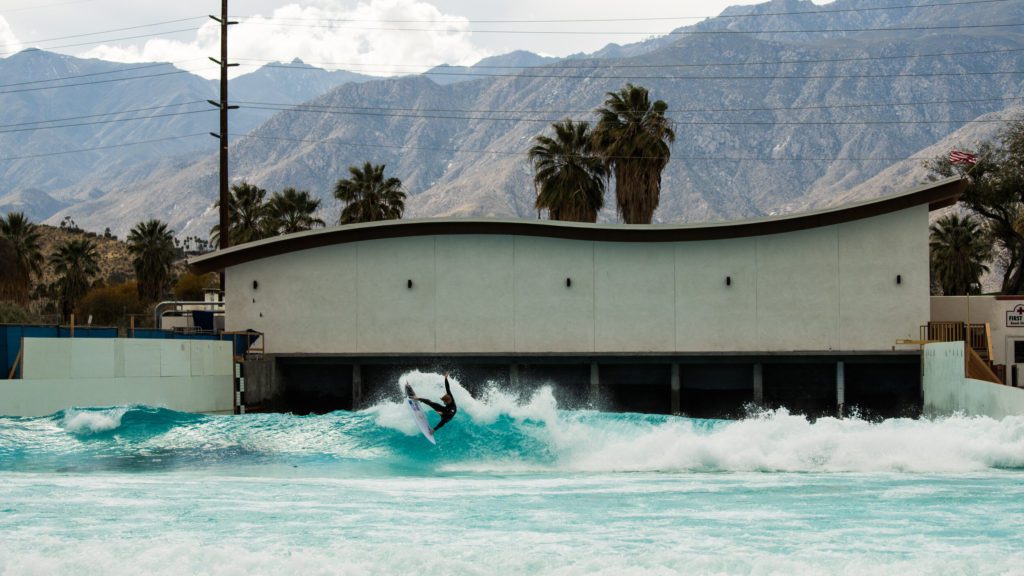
(978, 336)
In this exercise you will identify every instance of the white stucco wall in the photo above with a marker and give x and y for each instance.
(827, 288)
(947, 390)
(59, 373)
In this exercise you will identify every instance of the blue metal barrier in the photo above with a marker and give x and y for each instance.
(11, 335)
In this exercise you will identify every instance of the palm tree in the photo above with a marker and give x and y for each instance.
(152, 246)
(633, 137)
(959, 251)
(246, 215)
(568, 176)
(368, 197)
(24, 238)
(10, 287)
(75, 263)
(292, 211)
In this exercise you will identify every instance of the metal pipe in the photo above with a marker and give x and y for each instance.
(158, 313)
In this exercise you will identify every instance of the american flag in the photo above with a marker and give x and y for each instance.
(960, 157)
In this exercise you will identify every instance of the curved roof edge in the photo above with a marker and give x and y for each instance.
(937, 195)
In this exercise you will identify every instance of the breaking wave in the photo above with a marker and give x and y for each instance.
(499, 432)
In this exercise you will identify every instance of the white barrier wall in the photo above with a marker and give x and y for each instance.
(58, 373)
(948, 390)
(827, 288)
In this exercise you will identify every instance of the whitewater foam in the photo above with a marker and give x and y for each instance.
(93, 421)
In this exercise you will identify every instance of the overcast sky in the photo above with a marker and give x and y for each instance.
(365, 36)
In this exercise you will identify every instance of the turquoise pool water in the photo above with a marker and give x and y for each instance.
(515, 486)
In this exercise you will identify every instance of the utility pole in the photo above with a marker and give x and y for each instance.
(225, 224)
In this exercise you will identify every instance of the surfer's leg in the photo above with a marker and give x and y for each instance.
(437, 407)
(442, 423)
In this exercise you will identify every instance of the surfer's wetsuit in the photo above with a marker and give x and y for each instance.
(447, 412)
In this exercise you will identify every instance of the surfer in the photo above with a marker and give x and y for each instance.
(447, 411)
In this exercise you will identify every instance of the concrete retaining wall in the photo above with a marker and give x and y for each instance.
(186, 375)
(948, 390)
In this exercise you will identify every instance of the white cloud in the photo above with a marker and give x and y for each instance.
(325, 34)
(9, 43)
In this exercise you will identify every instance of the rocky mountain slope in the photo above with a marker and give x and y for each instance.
(781, 120)
(98, 105)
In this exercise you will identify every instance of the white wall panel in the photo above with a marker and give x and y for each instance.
(711, 314)
(45, 358)
(392, 316)
(549, 315)
(874, 309)
(475, 294)
(634, 297)
(311, 297)
(798, 290)
(141, 357)
(176, 358)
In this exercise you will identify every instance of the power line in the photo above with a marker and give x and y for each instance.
(22, 9)
(111, 121)
(323, 65)
(737, 77)
(84, 34)
(104, 114)
(288, 105)
(642, 19)
(649, 33)
(164, 33)
(605, 77)
(100, 81)
(118, 71)
(571, 65)
(121, 145)
(466, 150)
(523, 153)
(678, 122)
(420, 113)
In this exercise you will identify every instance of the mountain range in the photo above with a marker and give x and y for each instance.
(779, 107)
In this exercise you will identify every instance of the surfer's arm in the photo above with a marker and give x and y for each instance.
(448, 389)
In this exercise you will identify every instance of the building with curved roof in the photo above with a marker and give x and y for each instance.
(748, 305)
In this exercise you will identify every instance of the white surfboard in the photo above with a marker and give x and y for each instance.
(421, 418)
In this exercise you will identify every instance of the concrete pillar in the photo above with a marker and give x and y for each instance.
(595, 385)
(758, 384)
(840, 388)
(676, 407)
(357, 386)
